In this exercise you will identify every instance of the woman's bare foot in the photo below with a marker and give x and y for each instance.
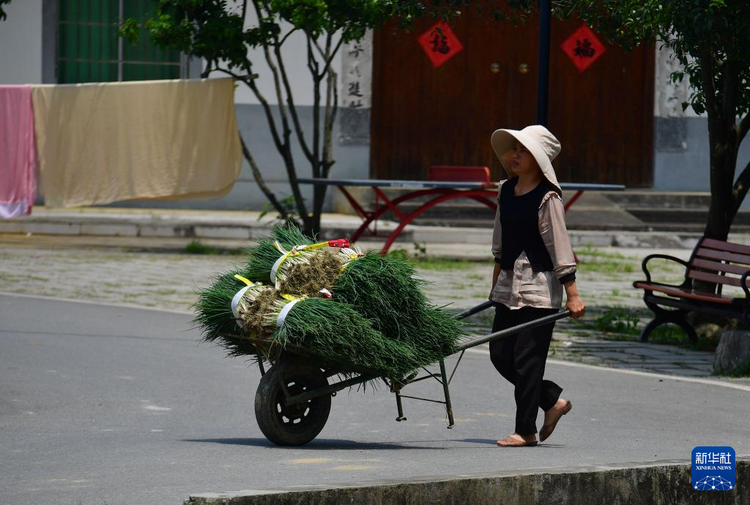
(516, 440)
(552, 416)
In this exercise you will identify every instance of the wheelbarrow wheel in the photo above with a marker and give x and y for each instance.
(296, 424)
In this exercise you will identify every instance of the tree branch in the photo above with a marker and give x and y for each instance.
(261, 182)
(283, 39)
(328, 58)
(330, 118)
(264, 103)
(292, 106)
(743, 128)
(277, 85)
(729, 94)
(243, 78)
(285, 147)
(707, 76)
(312, 64)
(741, 185)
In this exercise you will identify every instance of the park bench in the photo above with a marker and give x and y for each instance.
(715, 261)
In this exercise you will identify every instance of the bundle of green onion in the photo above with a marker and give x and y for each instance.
(329, 302)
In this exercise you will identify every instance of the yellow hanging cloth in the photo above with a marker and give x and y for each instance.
(162, 140)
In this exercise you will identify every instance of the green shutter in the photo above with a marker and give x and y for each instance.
(88, 44)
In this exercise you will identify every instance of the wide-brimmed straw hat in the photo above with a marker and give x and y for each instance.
(542, 145)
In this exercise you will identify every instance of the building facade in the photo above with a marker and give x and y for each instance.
(617, 114)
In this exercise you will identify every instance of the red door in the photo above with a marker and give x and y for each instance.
(424, 115)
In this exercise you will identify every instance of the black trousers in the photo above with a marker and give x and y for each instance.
(521, 359)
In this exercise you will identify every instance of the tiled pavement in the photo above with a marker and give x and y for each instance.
(646, 357)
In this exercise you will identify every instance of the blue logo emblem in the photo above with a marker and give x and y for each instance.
(713, 468)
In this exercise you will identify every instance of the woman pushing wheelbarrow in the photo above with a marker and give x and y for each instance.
(320, 317)
(534, 261)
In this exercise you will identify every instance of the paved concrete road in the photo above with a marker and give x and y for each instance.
(103, 404)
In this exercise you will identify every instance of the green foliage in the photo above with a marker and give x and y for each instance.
(195, 247)
(336, 334)
(199, 248)
(387, 291)
(617, 320)
(741, 370)
(214, 315)
(287, 213)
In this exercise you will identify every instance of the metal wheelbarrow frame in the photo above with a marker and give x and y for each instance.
(294, 397)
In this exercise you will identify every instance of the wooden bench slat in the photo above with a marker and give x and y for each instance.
(719, 267)
(724, 256)
(718, 279)
(684, 293)
(726, 246)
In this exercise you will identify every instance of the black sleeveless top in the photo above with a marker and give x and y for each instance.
(519, 217)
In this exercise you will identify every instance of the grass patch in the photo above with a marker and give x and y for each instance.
(592, 252)
(742, 370)
(198, 248)
(436, 264)
(605, 266)
(617, 322)
(670, 334)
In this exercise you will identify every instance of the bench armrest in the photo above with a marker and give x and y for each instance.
(743, 283)
(644, 264)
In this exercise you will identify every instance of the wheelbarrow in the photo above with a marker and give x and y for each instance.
(293, 398)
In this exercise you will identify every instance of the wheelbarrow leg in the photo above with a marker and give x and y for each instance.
(400, 407)
(260, 365)
(446, 391)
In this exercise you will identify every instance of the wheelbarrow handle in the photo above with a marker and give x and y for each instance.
(474, 310)
(462, 346)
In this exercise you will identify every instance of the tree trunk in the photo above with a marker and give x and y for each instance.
(319, 195)
(723, 160)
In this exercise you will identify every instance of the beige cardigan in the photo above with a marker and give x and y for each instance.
(522, 287)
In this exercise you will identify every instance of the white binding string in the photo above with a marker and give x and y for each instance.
(236, 300)
(276, 266)
(285, 311)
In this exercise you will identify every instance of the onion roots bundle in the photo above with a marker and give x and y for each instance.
(265, 254)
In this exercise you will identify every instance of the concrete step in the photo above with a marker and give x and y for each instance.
(659, 199)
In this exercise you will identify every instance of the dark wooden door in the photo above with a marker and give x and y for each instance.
(423, 116)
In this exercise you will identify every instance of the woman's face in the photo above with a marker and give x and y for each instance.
(522, 162)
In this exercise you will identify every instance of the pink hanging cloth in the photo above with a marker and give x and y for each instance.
(18, 155)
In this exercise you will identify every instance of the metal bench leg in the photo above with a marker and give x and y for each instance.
(663, 316)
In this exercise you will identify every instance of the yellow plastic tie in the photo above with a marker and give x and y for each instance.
(289, 298)
(243, 279)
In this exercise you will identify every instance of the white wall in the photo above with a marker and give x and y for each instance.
(294, 53)
(21, 43)
(669, 96)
